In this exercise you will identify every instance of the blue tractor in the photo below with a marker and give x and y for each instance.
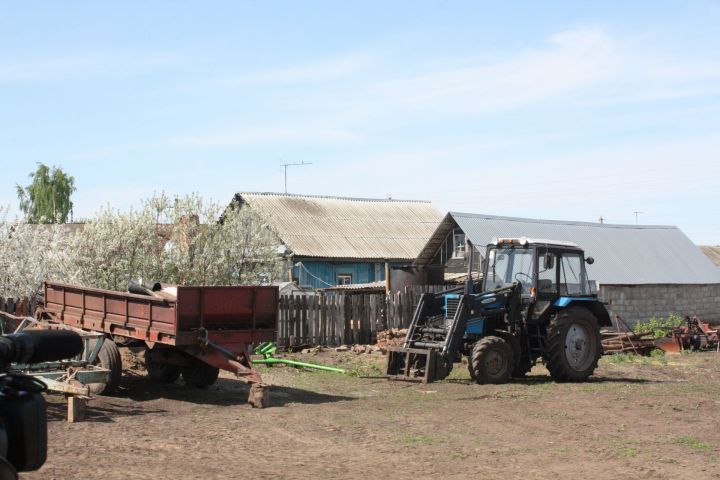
(536, 304)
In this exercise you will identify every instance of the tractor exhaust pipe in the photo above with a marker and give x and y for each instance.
(470, 251)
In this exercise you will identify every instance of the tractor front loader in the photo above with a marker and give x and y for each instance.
(536, 305)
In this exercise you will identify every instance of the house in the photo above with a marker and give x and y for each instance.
(712, 252)
(642, 271)
(332, 241)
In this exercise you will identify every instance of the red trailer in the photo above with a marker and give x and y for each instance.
(201, 330)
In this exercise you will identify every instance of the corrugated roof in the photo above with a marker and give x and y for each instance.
(712, 252)
(348, 228)
(624, 254)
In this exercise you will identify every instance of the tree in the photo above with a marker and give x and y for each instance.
(47, 198)
(30, 254)
(174, 241)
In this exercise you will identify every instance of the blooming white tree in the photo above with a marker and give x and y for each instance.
(183, 240)
(29, 254)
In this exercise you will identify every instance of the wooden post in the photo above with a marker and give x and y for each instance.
(77, 407)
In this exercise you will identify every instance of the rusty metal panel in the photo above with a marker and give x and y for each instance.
(225, 310)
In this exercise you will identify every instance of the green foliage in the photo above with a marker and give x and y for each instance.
(658, 326)
(622, 357)
(47, 198)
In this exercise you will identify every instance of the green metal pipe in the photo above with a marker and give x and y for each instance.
(268, 348)
(294, 363)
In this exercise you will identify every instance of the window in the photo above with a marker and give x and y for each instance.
(571, 275)
(547, 281)
(344, 279)
(458, 245)
(509, 265)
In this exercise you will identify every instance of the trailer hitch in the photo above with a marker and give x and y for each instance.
(267, 349)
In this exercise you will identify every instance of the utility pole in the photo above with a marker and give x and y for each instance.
(636, 216)
(286, 165)
(601, 220)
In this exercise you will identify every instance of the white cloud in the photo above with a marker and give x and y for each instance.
(82, 66)
(322, 71)
(298, 134)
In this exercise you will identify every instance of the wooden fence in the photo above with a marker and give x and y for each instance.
(344, 319)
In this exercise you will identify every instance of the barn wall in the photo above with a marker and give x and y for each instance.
(641, 302)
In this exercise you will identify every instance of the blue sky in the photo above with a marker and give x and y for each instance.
(561, 110)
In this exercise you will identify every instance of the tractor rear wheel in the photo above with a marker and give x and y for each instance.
(200, 374)
(108, 357)
(491, 360)
(573, 345)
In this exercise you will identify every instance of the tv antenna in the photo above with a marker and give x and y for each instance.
(636, 216)
(285, 167)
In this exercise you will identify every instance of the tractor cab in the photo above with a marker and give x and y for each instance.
(548, 273)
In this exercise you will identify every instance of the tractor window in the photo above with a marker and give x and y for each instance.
(547, 278)
(572, 275)
(509, 265)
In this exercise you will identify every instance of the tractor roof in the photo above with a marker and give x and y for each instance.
(525, 241)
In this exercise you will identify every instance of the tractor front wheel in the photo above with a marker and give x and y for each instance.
(491, 360)
(573, 345)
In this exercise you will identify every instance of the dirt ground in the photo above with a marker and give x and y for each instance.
(637, 418)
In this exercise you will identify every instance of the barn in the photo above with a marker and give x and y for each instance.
(642, 271)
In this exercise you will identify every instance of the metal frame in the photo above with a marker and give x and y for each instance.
(70, 376)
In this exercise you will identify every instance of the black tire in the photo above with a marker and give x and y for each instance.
(573, 345)
(108, 357)
(491, 360)
(470, 368)
(522, 368)
(160, 372)
(200, 374)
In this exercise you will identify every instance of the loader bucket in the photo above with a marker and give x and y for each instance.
(415, 365)
(668, 345)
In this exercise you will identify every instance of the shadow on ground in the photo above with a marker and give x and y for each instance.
(541, 379)
(224, 392)
(101, 410)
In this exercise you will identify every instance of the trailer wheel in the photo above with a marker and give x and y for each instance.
(573, 345)
(491, 360)
(160, 372)
(200, 374)
(108, 357)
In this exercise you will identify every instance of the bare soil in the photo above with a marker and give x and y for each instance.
(637, 418)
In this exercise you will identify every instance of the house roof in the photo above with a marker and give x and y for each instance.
(346, 228)
(624, 254)
(712, 252)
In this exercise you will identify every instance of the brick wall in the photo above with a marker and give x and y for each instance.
(641, 302)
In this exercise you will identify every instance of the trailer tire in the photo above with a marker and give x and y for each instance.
(108, 357)
(573, 345)
(161, 372)
(200, 374)
(491, 360)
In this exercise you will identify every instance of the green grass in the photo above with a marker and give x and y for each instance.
(693, 443)
(416, 440)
